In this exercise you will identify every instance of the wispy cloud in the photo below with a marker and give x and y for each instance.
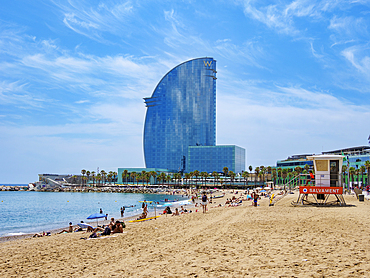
(92, 21)
(359, 57)
(301, 119)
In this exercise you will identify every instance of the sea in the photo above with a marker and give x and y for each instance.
(24, 212)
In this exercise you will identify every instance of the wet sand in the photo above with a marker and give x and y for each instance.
(278, 241)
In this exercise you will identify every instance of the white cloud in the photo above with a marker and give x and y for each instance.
(302, 120)
(356, 55)
(92, 21)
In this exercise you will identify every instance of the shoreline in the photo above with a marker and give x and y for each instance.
(54, 231)
(240, 241)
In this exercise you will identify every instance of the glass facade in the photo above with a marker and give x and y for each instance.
(215, 158)
(181, 112)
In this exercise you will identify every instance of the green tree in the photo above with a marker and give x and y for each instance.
(88, 176)
(187, 177)
(362, 170)
(226, 172)
(196, 175)
(284, 173)
(245, 176)
(103, 176)
(98, 178)
(124, 176)
(269, 172)
(298, 170)
(83, 172)
(352, 171)
(133, 177)
(344, 170)
(93, 177)
(256, 174)
(263, 172)
(214, 175)
(367, 165)
(232, 176)
(274, 176)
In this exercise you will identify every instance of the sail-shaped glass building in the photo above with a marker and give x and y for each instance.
(181, 113)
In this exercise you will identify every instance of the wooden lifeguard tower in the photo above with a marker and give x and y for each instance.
(326, 189)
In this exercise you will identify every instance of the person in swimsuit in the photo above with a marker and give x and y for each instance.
(204, 202)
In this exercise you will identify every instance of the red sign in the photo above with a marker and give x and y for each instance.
(320, 190)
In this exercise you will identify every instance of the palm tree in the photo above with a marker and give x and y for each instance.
(98, 177)
(263, 171)
(168, 179)
(284, 173)
(232, 176)
(245, 175)
(367, 165)
(196, 175)
(202, 175)
(274, 175)
(279, 173)
(351, 172)
(103, 175)
(344, 170)
(114, 178)
(256, 174)
(93, 177)
(83, 172)
(161, 177)
(269, 171)
(154, 175)
(124, 175)
(214, 174)
(187, 177)
(298, 171)
(226, 171)
(362, 170)
(133, 177)
(109, 177)
(88, 176)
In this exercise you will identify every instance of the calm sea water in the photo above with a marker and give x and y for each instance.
(29, 211)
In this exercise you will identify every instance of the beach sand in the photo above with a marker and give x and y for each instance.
(278, 241)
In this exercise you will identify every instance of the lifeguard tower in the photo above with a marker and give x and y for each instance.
(326, 189)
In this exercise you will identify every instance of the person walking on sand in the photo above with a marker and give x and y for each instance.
(204, 202)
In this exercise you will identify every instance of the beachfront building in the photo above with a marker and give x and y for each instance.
(215, 158)
(354, 159)
(181, 115)
(295, 161)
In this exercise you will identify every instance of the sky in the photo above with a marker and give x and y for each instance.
(293, 77)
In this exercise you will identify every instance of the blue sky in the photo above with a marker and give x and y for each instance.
(293, 77)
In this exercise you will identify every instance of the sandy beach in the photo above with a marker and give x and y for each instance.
(278, 241)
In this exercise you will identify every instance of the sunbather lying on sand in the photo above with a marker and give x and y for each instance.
(70, 229)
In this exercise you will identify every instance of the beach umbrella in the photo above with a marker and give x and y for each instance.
(96, 216)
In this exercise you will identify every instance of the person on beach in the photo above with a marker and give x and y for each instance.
(101, 211)
(111, 223)
(204, 202)
(118, 228)
(70, 229)
(176, 212)
(255, 199)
